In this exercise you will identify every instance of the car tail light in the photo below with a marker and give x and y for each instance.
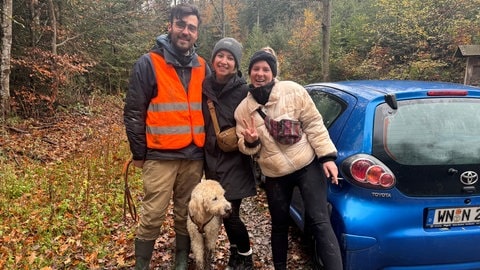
(359, 169)
(387, 180)
(374, 173)
(368, 171)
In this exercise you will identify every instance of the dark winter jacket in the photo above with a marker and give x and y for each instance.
(232, 169)
(142, 88)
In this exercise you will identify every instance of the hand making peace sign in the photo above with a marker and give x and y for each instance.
(250, 133)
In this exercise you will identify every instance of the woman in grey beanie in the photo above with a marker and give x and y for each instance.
(230, 45)
(226, 88)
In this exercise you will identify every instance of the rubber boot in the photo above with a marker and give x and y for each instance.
(234, 258)
(182, 250)
(245, 262)
(143, 253)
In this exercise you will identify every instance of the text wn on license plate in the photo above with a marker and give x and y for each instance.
(447, 217)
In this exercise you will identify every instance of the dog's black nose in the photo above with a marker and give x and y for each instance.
(228, 211)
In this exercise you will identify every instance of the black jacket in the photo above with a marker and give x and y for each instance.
(233, 169)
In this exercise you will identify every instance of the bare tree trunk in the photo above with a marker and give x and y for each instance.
(326, 23)
(220, 12)
(223, 18)
(53, 24)
(7, 6)
(34, 23)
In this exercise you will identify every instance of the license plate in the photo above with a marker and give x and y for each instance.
(448, 217)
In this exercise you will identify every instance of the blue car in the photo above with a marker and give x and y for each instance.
(409, 164)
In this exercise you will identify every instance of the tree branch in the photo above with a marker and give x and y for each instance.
(67, 40)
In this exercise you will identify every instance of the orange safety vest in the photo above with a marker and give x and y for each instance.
(174, 117)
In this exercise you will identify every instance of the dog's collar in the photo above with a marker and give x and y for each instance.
(200, 226)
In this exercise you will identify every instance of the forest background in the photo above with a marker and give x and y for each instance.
(65, 70)
(64, 50)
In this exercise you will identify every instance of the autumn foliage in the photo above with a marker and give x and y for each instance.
(39, 76)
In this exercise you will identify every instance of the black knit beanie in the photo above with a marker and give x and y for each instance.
(265, 56)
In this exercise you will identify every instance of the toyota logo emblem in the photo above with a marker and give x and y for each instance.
(469, 178)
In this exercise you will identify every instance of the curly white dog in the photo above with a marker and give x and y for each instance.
(205, 211)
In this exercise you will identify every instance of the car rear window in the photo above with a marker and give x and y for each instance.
(431, 131)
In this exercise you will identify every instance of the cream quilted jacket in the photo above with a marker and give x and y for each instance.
(288, 100)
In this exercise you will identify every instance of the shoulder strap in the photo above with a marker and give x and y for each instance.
(262, 114)
(213, 114)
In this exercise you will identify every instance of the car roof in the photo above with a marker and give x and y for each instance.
(370, 89)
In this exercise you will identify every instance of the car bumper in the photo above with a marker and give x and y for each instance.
(390, 241)
(420, 250)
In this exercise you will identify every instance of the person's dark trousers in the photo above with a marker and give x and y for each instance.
(238, 237)
(313, 188)
(236, 230)
(279, 193)
(143, 253)
(312, 184)
(280, 266)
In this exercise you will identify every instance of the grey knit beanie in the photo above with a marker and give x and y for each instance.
(231, 45)
(264, 56)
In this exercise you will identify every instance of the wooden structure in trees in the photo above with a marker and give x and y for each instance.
(472, 69)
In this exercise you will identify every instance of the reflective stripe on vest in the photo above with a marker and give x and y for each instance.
(174, 119)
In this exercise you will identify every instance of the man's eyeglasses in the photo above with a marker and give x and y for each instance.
(181, 25)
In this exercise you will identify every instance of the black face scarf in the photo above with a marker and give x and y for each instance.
(262, 93)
